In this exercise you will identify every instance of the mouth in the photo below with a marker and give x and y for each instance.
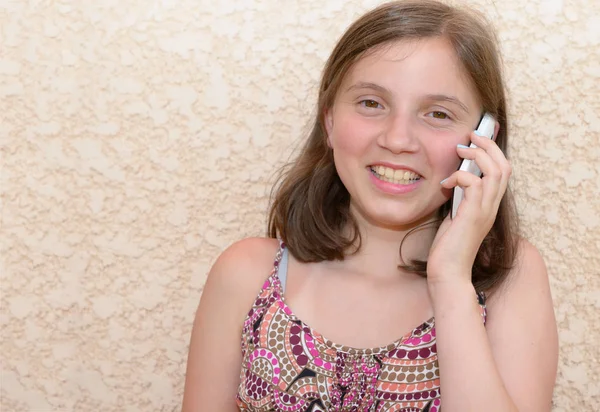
(395, 176)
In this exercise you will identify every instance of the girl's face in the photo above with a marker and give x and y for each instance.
(394, 127)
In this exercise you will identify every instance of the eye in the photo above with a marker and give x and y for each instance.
(440, 115)
(369, 103)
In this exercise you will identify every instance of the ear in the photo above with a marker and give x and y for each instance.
(328, 119)
(496, 130)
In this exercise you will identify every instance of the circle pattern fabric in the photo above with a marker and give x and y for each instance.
(288, 366)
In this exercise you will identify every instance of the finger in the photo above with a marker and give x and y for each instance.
(498, 156)
(492, 175)
(492, 149)
(471, 184)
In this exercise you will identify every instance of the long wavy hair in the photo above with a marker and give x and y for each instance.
(310, 206)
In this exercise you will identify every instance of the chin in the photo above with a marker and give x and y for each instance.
(398, 220)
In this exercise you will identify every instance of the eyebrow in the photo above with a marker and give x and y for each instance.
(450, 99)
(367, 85)
(436, 97)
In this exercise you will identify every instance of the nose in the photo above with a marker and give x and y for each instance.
(398, 135)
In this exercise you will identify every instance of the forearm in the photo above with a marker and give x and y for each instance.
(469, 378)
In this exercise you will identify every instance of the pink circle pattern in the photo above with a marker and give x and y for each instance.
(290, 367)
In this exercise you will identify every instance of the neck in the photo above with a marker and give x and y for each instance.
(388, 247)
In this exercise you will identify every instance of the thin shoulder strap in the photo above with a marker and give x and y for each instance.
(282, 269)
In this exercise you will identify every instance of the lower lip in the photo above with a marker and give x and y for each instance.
(392, 188)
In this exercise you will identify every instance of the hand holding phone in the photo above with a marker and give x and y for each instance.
(486, 128)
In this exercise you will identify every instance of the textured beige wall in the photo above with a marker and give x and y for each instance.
(139, 138)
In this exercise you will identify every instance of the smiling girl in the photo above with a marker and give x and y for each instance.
(378, 300)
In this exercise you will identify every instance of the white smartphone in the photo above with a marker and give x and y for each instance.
(486, 128)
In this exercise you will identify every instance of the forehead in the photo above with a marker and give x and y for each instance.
(414, 66)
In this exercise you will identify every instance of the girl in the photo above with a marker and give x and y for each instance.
(378, 300)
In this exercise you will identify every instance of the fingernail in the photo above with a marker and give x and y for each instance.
(462, 146)
(478, 133)
(442, 182)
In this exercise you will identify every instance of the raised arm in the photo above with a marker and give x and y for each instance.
(510, 364)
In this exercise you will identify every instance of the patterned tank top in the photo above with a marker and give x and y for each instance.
(288, 366)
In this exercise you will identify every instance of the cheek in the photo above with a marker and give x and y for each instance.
(350, 137)
(444, 158)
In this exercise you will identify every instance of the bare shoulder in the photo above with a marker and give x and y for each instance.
(525, 293)
(522, 331)
(528, 275)
(530, 263)
(252, 253)
(242, 268)
(232, 284)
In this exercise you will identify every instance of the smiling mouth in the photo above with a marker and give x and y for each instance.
(398, 177)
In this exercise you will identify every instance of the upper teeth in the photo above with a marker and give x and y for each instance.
(397, 175)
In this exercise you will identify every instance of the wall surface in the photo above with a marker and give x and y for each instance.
(139, 138)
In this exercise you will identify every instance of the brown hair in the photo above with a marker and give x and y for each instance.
(310, 208)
